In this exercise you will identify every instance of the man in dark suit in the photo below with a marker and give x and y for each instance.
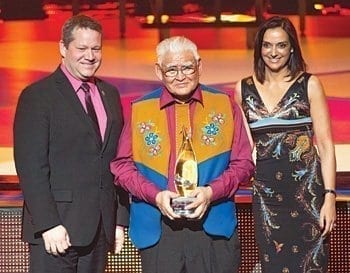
(66, 129)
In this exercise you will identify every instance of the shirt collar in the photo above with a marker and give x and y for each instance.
(75, 82)
(167, 99)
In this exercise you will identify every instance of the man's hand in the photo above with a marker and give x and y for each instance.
(56, 240)
(203, 197)
(119, 239)
(163, 201)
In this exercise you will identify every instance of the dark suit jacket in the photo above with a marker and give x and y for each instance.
(64, 173)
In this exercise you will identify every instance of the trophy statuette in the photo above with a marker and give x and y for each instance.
(186, 176)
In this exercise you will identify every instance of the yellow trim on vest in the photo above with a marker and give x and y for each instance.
(150, 140)
(213, 126)
(212, 132)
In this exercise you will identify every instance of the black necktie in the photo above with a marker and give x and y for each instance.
(90, 107)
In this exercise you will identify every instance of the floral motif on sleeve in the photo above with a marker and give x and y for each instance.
(150, 137)
(212, 128)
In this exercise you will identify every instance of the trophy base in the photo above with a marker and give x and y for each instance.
(178, 204)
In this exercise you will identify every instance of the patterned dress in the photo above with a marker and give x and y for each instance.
(288, 187)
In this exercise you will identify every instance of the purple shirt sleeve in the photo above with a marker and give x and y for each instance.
(126, 173)
(241, 166)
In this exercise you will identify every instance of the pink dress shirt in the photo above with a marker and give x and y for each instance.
(95, 97)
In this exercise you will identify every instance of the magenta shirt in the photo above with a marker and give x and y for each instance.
(95, 97)
(239, 170)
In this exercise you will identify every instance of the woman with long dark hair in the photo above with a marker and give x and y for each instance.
(294, 187)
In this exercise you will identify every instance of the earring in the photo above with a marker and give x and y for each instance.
(292, 50)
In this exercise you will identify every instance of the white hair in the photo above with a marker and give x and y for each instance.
(176, 44)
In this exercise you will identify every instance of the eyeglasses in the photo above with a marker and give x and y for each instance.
(173, 71)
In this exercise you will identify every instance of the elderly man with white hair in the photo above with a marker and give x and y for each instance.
(184, 131)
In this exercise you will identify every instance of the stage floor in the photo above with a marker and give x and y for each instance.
(29, 51)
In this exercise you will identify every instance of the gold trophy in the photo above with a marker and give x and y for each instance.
(186, 176)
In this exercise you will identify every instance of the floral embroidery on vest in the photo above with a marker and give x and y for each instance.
(150, 137)
(211, 129)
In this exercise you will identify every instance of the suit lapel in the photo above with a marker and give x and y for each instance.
(68, 92)
(106, 103)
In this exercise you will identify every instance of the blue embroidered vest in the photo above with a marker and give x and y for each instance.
(212, 138)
